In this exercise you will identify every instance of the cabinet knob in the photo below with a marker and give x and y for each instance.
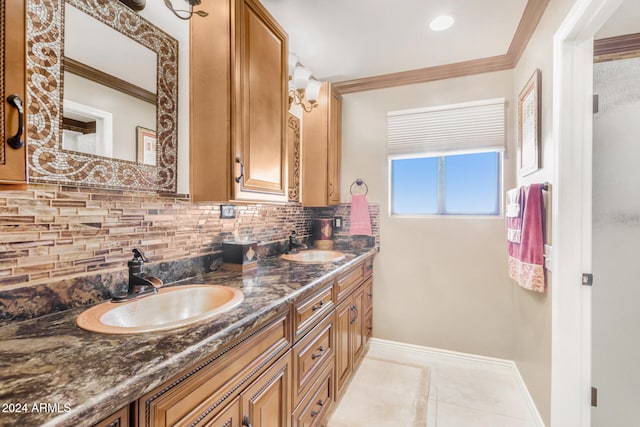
(16, 141)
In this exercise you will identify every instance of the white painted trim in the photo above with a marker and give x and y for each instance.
(572, 136)
(441, 355)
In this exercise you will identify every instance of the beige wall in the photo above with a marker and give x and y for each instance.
(440, 282)
(532, 352)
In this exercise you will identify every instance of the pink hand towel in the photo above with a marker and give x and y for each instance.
(526, 259)
(360, 219)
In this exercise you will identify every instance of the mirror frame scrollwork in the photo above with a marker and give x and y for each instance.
(48, 162)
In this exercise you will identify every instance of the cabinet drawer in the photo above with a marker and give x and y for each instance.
(308, 312)
(348, 281)
(368, 324)
(368, 267)
(310, 355)
(317, 404)
(368, 295)
(203, 391)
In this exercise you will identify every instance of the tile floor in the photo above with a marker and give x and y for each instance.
(462, 393)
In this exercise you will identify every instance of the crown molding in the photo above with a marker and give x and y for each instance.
(618, 47)
(530, 17)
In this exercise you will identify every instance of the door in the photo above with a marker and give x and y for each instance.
(616, 233)
(13, 68)
(344, 317)
(260, 139)
(358, 329)
(334, 148)
(266, 403)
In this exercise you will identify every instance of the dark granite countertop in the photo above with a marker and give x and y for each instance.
(52, 373)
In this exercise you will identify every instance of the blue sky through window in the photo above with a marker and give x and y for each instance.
(471, 185)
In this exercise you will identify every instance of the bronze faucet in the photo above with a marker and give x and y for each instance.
(139, 283)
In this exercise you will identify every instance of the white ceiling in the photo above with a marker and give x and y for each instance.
(625, 20)
(348, 39)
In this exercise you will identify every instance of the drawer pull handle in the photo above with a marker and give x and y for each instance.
(315, 356)
(314, 413)
(355, 312)
(245, 421)
(16, 140)
(317, 306)
(239, 178)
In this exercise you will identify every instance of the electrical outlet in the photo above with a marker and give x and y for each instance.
(227, 211)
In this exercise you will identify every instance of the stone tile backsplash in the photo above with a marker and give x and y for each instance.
(66, 246)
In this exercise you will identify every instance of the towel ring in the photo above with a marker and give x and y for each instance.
(359, 183)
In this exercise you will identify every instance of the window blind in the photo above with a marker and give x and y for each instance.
(448, 129)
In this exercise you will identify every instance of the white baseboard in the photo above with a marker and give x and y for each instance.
(448, 355)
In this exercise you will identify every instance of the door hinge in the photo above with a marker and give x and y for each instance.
(587, 279)
(594, 396)
(596, 103)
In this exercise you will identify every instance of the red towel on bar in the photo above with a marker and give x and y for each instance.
(359, 219)
(526, 259)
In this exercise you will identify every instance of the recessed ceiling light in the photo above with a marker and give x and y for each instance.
(441, 23)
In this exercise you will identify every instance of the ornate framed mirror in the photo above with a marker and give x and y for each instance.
(110, 156)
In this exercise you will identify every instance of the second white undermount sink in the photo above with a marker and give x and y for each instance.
(314, 256)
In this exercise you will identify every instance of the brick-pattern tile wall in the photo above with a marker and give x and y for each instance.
(51, 232)
(61, 247)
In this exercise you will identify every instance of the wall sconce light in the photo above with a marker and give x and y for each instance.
(186, 14)
(303, 88)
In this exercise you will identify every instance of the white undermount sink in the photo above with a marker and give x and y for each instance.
(170, 308)
(314, 256)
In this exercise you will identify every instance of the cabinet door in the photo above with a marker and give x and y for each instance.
(344, 318)
(266, 403)
(230, 417)
(358, 325)
(13, 70)
(334, 148)
(261, 68)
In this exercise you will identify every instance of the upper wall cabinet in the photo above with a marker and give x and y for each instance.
(321, 150)
(239, 101)
(13, 159)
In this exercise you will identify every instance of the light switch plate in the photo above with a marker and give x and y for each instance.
(337, 223)
(548, 253)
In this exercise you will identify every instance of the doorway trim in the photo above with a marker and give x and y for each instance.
(572, 133)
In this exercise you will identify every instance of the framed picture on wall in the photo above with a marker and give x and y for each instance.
(146, 145)
(529, 129)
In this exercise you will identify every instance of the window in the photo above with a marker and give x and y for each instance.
(464, 184)
(446, 160)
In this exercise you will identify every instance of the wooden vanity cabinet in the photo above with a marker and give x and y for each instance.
(197, 396)
(238, 104)
(322, 150)
(288, 372)
(13, 147)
